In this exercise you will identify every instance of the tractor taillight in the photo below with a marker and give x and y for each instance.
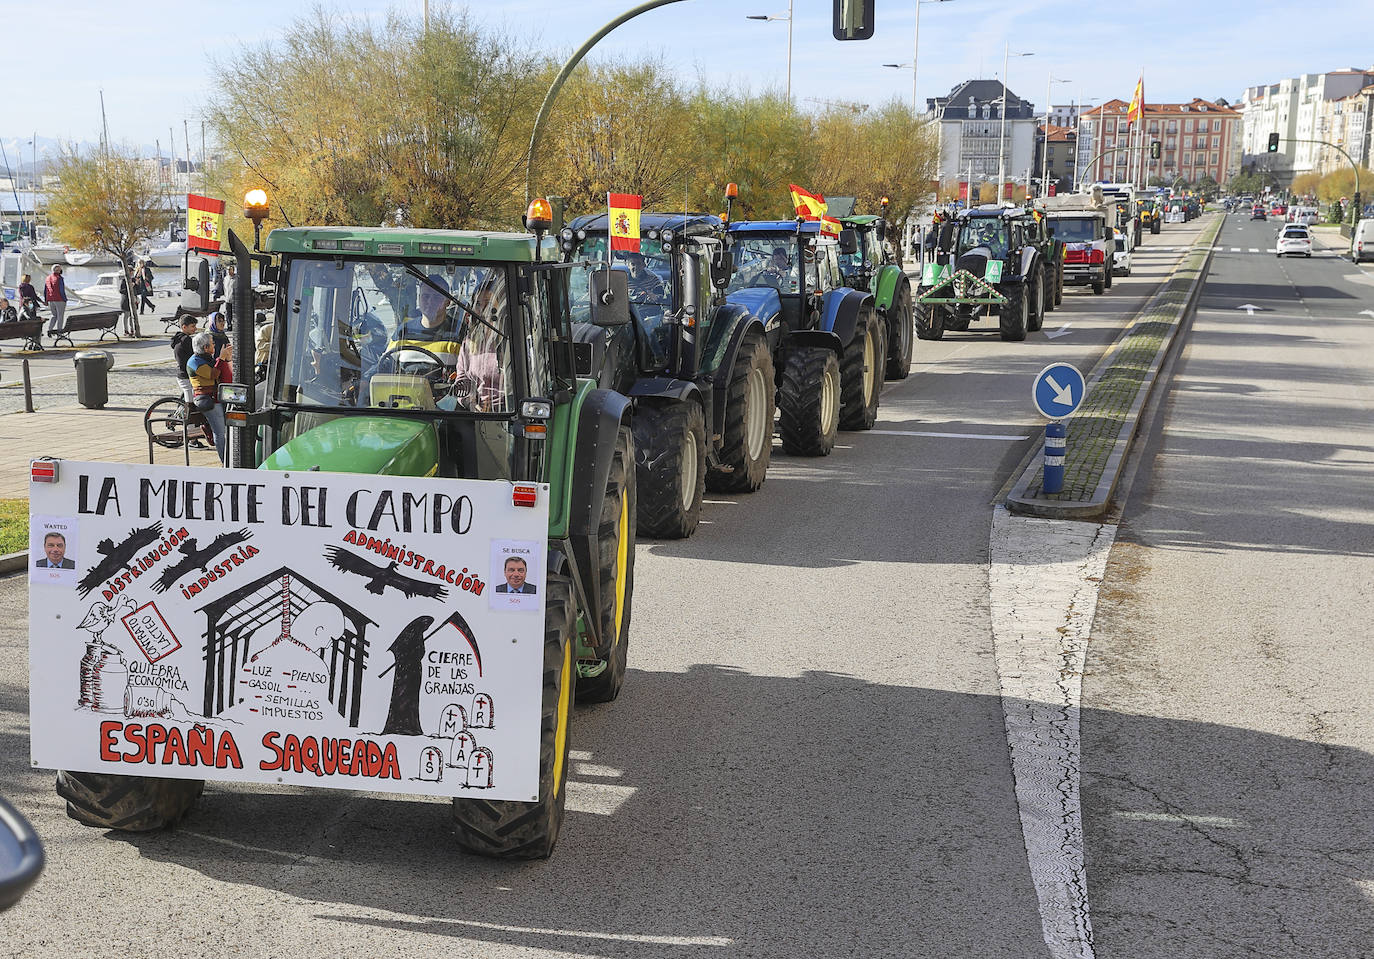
(43, 470)
(524, 495)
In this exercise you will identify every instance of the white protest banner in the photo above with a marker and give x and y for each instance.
(317, 629)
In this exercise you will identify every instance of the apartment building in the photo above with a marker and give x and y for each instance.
(1198, 139)
(970, 125)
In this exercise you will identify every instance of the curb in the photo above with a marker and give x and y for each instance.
(13, 562)
(1019, 503)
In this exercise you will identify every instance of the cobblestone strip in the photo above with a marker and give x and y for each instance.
(1102, 429)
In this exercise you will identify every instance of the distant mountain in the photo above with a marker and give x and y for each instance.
(20, 150)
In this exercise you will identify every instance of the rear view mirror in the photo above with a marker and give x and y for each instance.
(21, 855)
(610, 291)
(849, 241)
(722, 268)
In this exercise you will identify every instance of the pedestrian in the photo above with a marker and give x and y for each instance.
(144, 288)
(126, 306)
(230, 293)
(206, 373)
(55, 295)
(217, 330)
(8, 314)
(28, 297)
(217, 289)
(183, 349)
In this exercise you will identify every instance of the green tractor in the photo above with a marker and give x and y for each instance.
(873, 268)
(448, 354)
(696, 368)
(990, 261)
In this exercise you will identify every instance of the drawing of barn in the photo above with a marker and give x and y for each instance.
(232, 621)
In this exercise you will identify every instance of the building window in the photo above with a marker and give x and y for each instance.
(1173, 126)
(1216, 143)
(1187, 143)
(1216, 157)
(1201, 158)
(1216, 126)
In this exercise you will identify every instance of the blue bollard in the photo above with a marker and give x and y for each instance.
(1056, 445)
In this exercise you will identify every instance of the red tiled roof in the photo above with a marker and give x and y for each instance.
(1114, 107)
(1057, 133)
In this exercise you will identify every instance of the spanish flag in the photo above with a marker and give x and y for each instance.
(830, 226)
(624, 220)
(1137, 106)
(810, 206)
(204, 219)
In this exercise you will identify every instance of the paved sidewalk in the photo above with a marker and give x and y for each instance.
(1100, 432)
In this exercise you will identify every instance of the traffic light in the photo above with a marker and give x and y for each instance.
(1273, 143)
(853, 19)
(1154, 150)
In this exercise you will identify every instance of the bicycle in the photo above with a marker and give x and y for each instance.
(168, 425)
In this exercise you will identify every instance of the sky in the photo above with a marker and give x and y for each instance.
(154, 61)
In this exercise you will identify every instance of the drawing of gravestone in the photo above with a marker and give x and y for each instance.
(453, 719)
(431, 764)
(232, 620)
(461, 748)
(483, 715)
(479, 768)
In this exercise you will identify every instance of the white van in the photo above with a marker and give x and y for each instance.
(1362, 241)
(1306, 215)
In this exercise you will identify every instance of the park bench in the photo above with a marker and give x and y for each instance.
(104, 321)
(30, 331)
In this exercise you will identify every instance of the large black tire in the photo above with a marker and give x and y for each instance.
(809, 401)
(1035, 304)
(670, 467)
(1047, 277)
(930, 321)
(1058, 283)
(1108, 277)
(126, 803)
(747, 443)
(615, 569)
(1154, 226)
(900, 332)
(861, 373)
(1098, 287)
(506, 828)
(1014, 316)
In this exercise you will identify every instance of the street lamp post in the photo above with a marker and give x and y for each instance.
(915, 52)
(788, 18)
(1002, 140)
(1045, 151)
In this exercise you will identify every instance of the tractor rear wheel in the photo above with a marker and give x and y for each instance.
(601, 679)
(126, 803)
(1058, 283)
(861, 373)
(670, 467)
(1047, 278)
(900, 333)
(809, 401)
(930, 321)
(747, 443)
(506, 828)
(1035, 306)
(1013, 318)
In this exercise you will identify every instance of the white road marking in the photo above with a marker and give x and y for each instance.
(947, 436)
(1059, 332)
(1220, 822)
(1254, 249)
(1235, 249)
(436, 923)
(1043, 578)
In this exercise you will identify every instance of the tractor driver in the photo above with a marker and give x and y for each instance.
(778, 270)
(645, 286)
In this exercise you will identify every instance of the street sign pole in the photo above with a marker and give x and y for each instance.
(1056, 447)
(1056, 393)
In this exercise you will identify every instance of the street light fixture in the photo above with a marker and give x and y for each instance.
(788, 18)
(1002, 140)
(1045, 151)
(915, 52)
(255, 208)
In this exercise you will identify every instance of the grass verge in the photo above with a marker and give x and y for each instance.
(14, 525)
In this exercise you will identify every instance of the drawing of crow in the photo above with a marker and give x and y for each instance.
(116, 557)
(195, 557)
(380, 577)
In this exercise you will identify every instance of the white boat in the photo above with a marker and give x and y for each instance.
(169, 255)
(89, 258)
(49, 254)
(103, 292)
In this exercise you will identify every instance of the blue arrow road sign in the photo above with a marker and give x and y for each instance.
(1058, 390)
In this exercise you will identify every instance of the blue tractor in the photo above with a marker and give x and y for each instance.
(827, 340)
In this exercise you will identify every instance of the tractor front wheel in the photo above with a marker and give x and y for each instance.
(601, 679)
(670, 467)
(747, 444)
(1035, 307)
(861, 376)
(1014, 315)
(126, 803)
(900, 333)
(930, 321)
(506, 828)
(809, 401)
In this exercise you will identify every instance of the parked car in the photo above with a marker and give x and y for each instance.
(1294, 239)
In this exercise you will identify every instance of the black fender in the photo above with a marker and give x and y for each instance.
(744, 323)
(841, 312)
(603, 413)
(665, 388)
(821, 338)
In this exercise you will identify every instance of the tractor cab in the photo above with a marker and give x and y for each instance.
(791, 265)
(411, 352)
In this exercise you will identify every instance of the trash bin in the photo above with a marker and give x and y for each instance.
(92, 384)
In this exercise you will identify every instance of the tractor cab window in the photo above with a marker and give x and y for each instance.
(987, 232)
(650, 274)
(765, 261)
(397, 335)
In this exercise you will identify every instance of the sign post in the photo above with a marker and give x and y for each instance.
(1057, 392)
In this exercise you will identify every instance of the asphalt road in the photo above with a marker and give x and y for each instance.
(808, 758)
(1226, 711)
